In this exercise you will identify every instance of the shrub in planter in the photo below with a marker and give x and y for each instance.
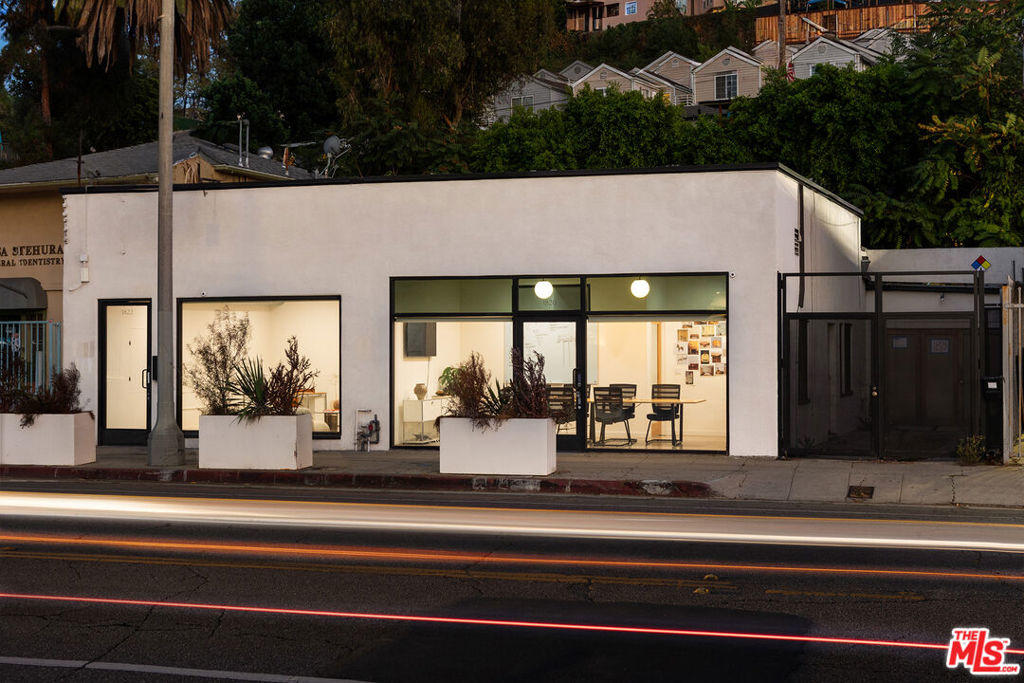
(499, 429)
(214, 358)
(256, 394)
(44, 424)
(261, 429)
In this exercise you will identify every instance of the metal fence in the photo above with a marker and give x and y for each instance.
(32, 348)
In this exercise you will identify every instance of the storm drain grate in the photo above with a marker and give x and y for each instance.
(861, 492)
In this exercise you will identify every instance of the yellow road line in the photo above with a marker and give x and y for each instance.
(490, 558)
(540, 577)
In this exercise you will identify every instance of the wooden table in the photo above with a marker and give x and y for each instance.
(681, 402)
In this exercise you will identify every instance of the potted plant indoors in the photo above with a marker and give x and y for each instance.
(44, 424)
(263, 428)
(500, 429)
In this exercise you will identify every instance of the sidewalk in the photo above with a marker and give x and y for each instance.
(602, 472)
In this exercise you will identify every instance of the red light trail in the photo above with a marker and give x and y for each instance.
(488, 622)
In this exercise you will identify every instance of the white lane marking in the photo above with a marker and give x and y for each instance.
(170, 670)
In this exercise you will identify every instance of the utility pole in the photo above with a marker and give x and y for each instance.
(782, 35)
(166, 442)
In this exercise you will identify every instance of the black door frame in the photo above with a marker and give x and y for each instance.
(122, 437)
(565, 441)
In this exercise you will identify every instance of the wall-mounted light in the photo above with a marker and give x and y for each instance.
(640, 288)
(543, 289)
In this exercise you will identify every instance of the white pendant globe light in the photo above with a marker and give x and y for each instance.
(543, 289)
(640, 288)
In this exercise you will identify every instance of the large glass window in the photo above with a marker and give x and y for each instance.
(689, 355)
(418, 369)
(658, 335)
(313, 322)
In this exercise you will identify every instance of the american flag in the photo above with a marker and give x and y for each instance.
(790, 74)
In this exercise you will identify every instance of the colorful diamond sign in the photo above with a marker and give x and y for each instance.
(981, 262)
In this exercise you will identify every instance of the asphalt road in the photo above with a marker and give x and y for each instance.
(255, 598)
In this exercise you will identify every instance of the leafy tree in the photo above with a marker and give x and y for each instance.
(612, 130)
(235, 95)
(965, 77)
(71, 67)
(663, 9)
(429, 67)
(975, 167)
(838, 128)
(284, 47)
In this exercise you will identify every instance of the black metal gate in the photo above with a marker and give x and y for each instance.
(866, 371)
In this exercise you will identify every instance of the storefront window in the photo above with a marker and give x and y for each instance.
(659, 336)
(689, 354)
(313, 322)
(418, 368)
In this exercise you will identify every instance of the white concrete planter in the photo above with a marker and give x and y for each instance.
(68, 439)
(517, 446)
(277, 442)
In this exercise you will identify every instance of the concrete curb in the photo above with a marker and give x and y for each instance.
(405, 482)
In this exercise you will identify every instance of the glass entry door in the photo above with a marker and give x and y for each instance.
(561, 343)
(124, 372)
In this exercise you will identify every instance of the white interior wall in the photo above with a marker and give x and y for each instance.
(455, 342)
(315, 326)
(247, 241)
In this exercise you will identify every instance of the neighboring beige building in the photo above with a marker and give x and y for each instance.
(838, 53)
(543, 90)
(32, 212)
(674, 67)
(767, 52)
(603, 77)
(729, 74)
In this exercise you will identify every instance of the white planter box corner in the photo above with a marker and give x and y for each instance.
(63, 440)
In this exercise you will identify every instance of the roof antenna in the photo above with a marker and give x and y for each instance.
(241, 121)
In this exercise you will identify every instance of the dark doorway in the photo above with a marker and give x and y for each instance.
(927, 398)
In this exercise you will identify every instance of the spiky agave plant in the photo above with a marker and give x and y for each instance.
(249, 387)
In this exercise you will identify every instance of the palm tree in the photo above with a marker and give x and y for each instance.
(113, 29)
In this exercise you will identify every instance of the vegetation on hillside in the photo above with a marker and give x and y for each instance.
(930, 145)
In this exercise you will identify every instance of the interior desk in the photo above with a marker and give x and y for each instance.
(681, 402)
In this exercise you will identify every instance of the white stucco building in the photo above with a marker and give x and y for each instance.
(387, 282)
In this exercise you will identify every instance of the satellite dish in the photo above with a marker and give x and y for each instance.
(266, 152)
(332, 146)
